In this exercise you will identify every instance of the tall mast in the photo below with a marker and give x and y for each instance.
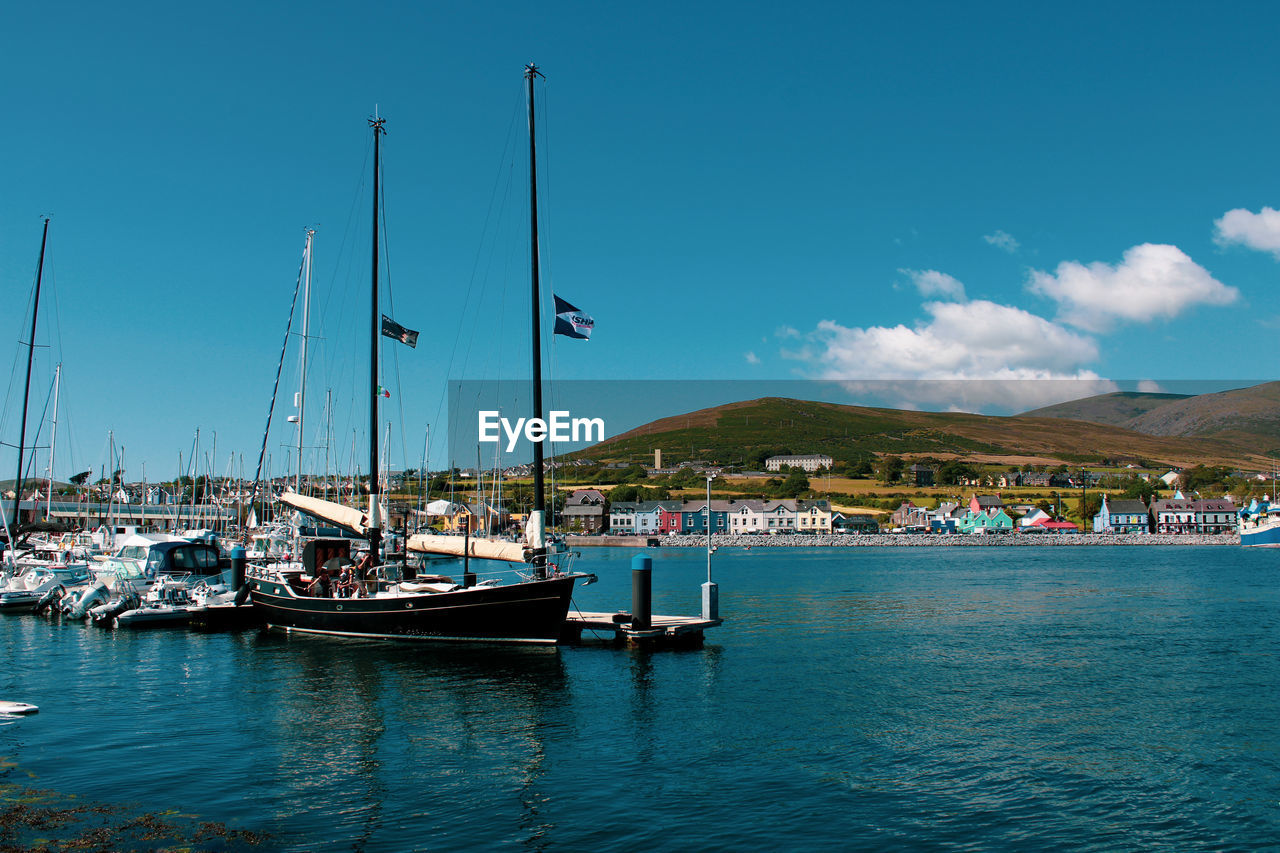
(26, 396)
(375, 330)
(302, 384)
(539, 493)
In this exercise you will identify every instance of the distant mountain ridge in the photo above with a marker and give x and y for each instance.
(738, 431)
(1118, 409)
(1244, 416)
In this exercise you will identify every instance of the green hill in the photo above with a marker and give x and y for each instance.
(1118, 409)
(739, 432)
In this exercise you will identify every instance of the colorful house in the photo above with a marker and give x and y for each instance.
(974, 522)
(985, 503)
(694, 517)
(669, 517)
(780, 516)
(1122, 516)
(747, 517)
(813, 517)
(622, 517)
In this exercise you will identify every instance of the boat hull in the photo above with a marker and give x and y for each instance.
(1265, 535)
(529, 612)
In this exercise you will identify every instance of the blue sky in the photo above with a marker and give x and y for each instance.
(733, 190)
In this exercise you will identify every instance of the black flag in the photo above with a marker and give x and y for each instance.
(572, 322)
(392, 329)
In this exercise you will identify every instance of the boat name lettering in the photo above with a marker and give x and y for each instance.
(559, 427)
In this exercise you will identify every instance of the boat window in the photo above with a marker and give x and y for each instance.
(155, 561)
(133, 552)
(183, 559)
(206, 558)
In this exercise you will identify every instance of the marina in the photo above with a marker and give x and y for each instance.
(852, 699)
(797, 427)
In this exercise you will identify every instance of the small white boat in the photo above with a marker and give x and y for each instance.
(17, 708)
(167, 602)
(24, 591)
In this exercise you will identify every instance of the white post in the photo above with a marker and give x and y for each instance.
(710, 592)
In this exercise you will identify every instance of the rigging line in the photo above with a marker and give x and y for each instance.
(343, 272)
(503, 166)
(257, 478)
(23, 328)
(391, 307)
(35, 440)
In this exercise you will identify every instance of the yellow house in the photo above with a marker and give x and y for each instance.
(813, 517)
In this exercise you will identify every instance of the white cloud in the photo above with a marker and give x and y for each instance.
(1152, 281)
(1259, 231)
(1010, 352)
(752, 358)
(1003, 240)
(1150, 386)
(934, 283)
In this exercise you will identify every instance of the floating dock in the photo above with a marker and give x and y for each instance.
(621, 628)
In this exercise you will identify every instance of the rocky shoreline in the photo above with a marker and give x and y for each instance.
(950, 540)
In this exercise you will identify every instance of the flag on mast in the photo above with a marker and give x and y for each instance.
(571, 322)
(392, 329)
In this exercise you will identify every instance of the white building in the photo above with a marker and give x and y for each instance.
(810, 463)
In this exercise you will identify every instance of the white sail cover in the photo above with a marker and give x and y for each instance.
(473, 546)
(343, 516)
(443, 507)
(535, 534)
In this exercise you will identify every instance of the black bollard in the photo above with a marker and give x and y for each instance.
(641, 592)
(238, 562)
(468, 577)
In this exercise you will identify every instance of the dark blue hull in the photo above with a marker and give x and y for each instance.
(529, 612)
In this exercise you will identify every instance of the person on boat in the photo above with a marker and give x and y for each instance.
(346, 583)
(320, 586)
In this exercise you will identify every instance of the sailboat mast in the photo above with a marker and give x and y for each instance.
(306, 331)
(26, 396)
(375, 330)
(539, 488)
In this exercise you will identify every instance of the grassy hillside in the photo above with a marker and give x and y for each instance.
(736, 432)
(1118, 409)
(1246, 417)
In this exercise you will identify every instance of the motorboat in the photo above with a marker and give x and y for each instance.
(23, 591)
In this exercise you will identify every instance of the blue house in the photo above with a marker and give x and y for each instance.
(1122, 516)
(693, 517)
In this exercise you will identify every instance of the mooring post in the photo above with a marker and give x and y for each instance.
(710, 601)
(238, 563)
(468, 578)
(641, 591)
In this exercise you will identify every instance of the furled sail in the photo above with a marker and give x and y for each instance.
(472, 546)
(344, 516)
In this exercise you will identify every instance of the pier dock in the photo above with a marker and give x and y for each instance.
(621, 628)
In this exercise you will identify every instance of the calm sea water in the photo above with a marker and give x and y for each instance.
(946, 699)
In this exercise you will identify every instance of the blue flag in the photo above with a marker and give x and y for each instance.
(572, 322)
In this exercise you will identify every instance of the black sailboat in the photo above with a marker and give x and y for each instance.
(532, 609)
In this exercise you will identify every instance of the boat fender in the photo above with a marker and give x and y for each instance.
(242, 595)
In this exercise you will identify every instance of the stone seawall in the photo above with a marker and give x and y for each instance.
(953, 540)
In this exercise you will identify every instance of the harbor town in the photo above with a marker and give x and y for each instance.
(639, 427)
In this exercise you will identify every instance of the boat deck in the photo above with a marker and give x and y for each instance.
(618, 628)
